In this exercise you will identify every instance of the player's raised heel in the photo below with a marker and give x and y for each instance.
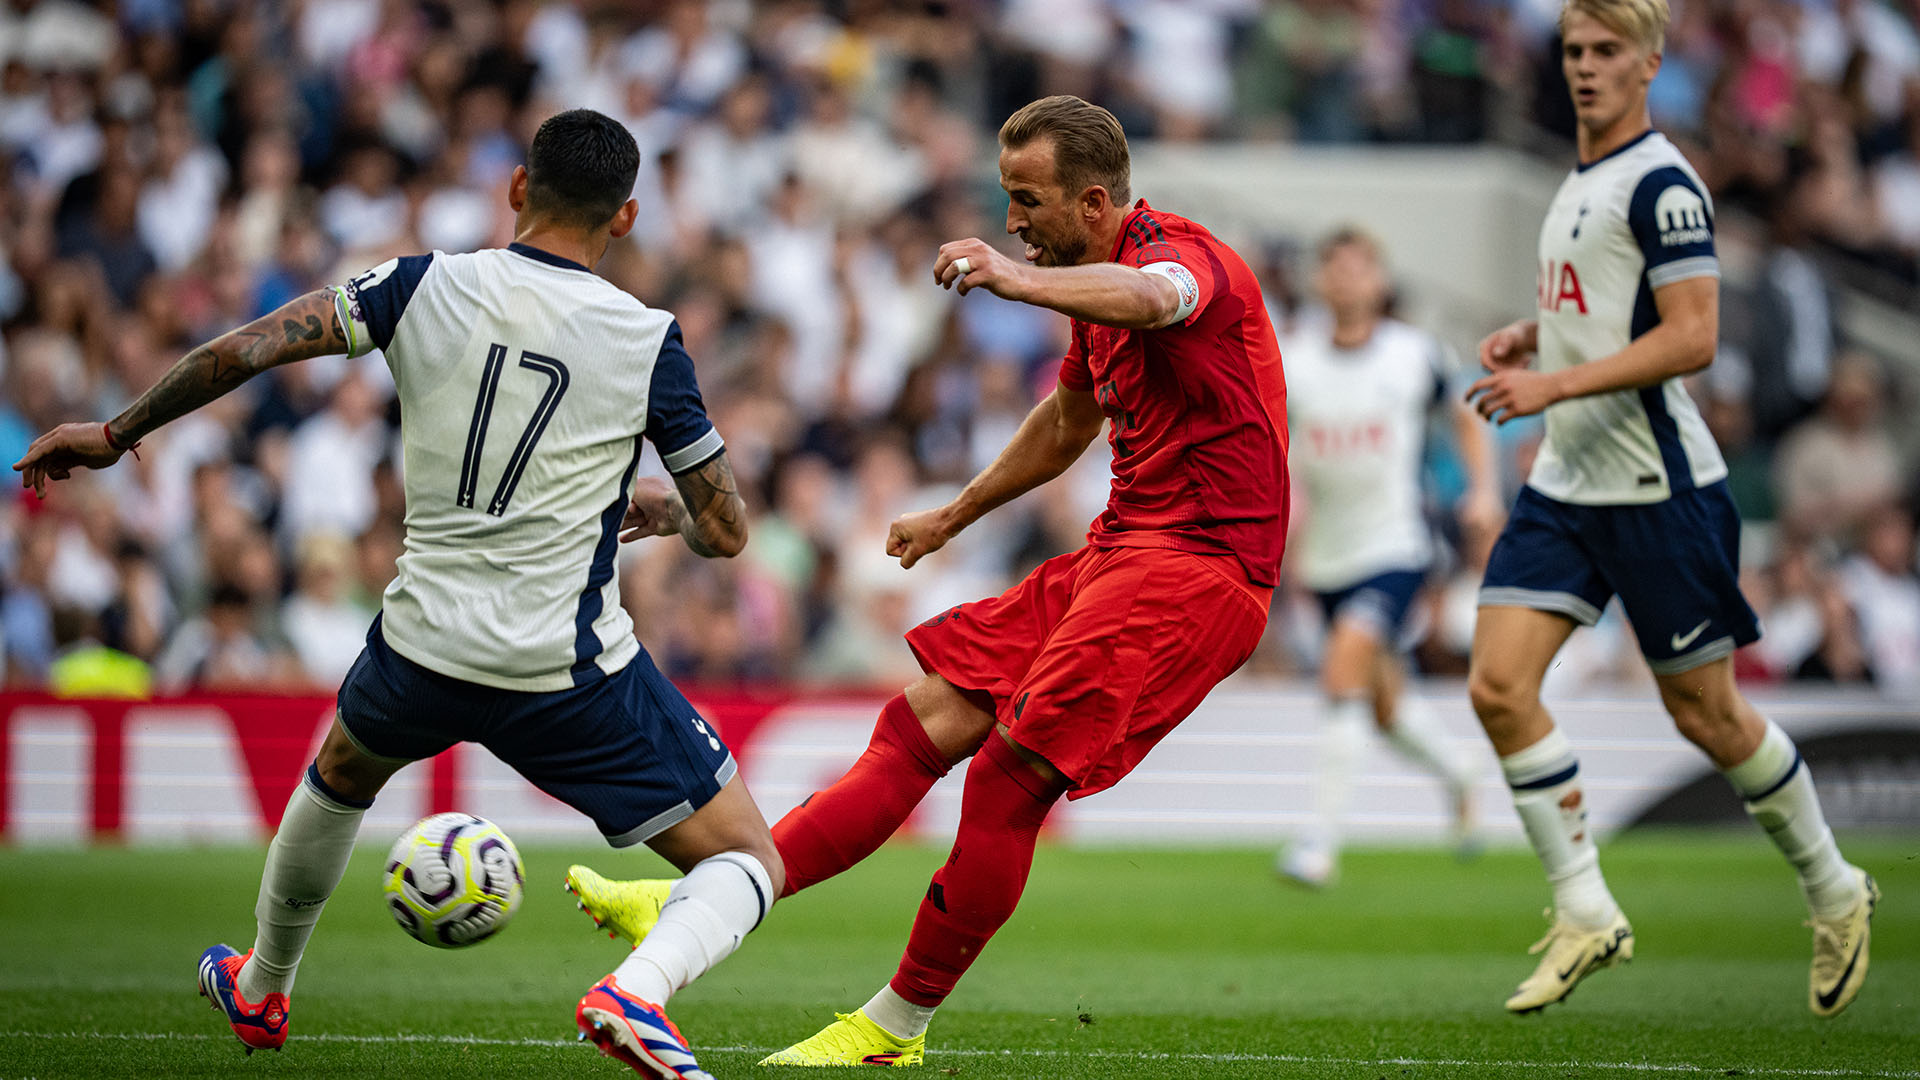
(852, 1039)
(258, 1026)
(624, 909)
(1572, 953)
(1840, 952)
(635, 1032)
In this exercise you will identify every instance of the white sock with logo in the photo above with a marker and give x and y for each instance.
(304, 865)
(897, 1016)
(1778, 790)
(1545, 779)
(1343, 738)
(706, 916)
(1419, 738)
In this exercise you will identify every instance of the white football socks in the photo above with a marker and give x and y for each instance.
(1778, 790)
(706, 916)
(304, 865)
(1545, 779)
(1420, 739)
(1343, 738)
(896, 1015)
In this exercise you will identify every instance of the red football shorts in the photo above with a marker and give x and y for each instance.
(1097, 654)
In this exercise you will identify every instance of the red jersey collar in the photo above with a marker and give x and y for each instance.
(1138, 206)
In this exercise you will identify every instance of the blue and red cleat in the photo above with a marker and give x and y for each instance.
(636, 1032)
(261, 1026)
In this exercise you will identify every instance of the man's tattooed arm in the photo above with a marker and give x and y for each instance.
(714, 517)
(302, 329)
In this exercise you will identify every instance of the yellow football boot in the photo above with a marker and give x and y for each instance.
(852, 1039)
(624, 909)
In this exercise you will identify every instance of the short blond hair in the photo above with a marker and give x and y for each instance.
(1643, 22)
(1089, 146)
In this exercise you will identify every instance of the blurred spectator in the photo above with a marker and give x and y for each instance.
(1884, 588)
(321, 622)
(183, 188)
(1810, 628)
(731, 165)
(1304, 63)
(105, 234)
(26, 613)
(366, 210)
(330, 464)
(1840, 466)
(219, 650)
(84, 667)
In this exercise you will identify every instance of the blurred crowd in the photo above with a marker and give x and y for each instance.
(172, 168)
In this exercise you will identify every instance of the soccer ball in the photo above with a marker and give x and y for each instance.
(452, 880)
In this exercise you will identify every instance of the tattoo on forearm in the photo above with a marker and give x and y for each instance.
(311, 331)
(715, 511)
(309, 327)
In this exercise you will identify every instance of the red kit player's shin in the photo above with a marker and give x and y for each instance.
(838, 827)
(974, 894)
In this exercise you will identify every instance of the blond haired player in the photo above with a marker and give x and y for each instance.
(1628, 497)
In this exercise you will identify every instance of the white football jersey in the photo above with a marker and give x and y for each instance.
(1621, 227)
(1358, 419)
(526, 383)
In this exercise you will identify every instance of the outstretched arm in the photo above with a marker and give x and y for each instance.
(1106, 293)
(703, 508)
(1052, 437)
(300, 330)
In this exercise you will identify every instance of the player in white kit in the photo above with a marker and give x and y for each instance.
(526, 384)
(1361, 389)
(1628, 497)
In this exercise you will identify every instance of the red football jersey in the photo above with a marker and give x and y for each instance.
(1197, 411)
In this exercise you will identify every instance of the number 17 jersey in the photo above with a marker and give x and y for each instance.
(526, 384)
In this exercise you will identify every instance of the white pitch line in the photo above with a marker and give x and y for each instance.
(1112, 1055)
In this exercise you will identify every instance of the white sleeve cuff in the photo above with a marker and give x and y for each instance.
(697, 452)
(1682, 269)
(1185, 285)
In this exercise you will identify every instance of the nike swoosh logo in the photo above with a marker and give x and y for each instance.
(1827, 999)
(1605, 954)
(1680, 642)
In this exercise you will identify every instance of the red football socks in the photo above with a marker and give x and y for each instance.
(843, 824)
(974, 894)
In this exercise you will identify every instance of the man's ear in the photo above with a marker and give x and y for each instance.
(1094, 202)
(623, 219)
(517, 189)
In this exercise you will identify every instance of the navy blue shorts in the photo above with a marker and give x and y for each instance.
(628, 750)
(1381, 601)
(1674, 564)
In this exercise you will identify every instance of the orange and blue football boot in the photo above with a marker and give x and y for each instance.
(636, 1032)
(261, 1026)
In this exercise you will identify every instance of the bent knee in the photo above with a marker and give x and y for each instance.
(349, 772)
(1499, 696)
(956, 720)
(1701, 722)
(768, 855)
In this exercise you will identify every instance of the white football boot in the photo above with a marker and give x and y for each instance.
(1308, 865)
(1840, 952)
(1572, 953)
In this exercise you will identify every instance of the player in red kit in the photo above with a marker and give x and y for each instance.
(1060, 685)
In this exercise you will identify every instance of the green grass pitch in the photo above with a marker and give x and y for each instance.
(1119, 963)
